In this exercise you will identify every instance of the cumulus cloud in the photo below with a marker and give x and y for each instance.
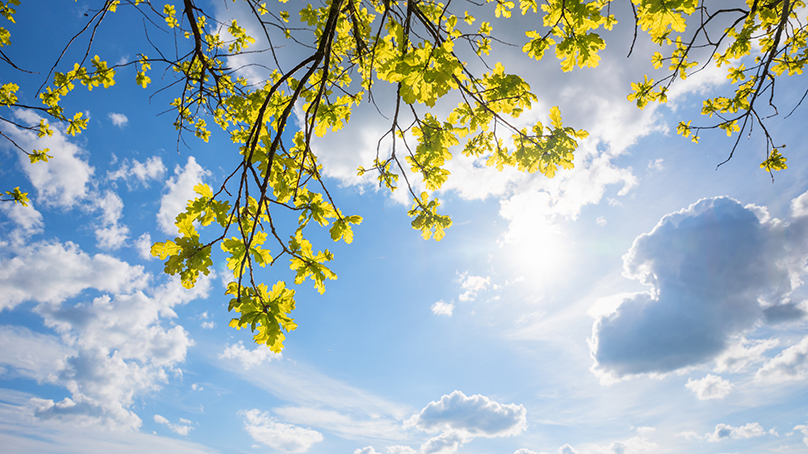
(567, 449)
(263, 428)
(109, 349)
(122, 350)
(248, 358)
(110, 234)
(62, 181)
(709, 387)
(135, 173)
(473, 416)
(52, 272)
(118, 119)
(725, 431)
(799, 206)
(178, 190)
(366, 450)
(526, 451)
(445, 443)
(713, 269)
(441, 308)
(790, 364)
(634, 445)
(27, 219)
(179, 429)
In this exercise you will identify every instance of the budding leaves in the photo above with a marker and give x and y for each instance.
(414, 49)
(427, 219)
(186, 255)
(265, 313)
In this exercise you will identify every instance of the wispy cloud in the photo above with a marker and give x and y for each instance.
(263, 428)
(179, 429)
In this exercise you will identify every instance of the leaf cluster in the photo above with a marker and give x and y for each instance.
(421, 48)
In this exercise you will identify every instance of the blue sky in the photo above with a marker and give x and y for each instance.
(644, 301)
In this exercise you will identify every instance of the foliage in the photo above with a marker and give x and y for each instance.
(344, 49)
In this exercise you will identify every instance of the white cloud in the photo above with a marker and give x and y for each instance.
(366, 450)
(441, 308)
(400, 450)
(724, 431)
(179, 429)
(445, 443)
(799, 206)
(526, 451)
(143, 246)
(111, 234)
(63, 180)
(136, 173)
(178, 190)
(341, 424)
(472, 286)
(51, 272)
(656, 164)
(208, 325)
(741, 354)
(472, 416)
(19, 432)
(32, 355)
(601, 221)
(27, 219)
(567, 449)
(709, 387)
(122, 351)
(804, 429)
(284, 437)
(118, 346)
(118, 119)
(690, 435)
(634, 445)
(248, 358)
(790, 364)
(705, 288)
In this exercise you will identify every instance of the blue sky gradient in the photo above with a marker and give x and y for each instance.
(643, 302)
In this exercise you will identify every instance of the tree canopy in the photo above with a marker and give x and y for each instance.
(318, 61)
